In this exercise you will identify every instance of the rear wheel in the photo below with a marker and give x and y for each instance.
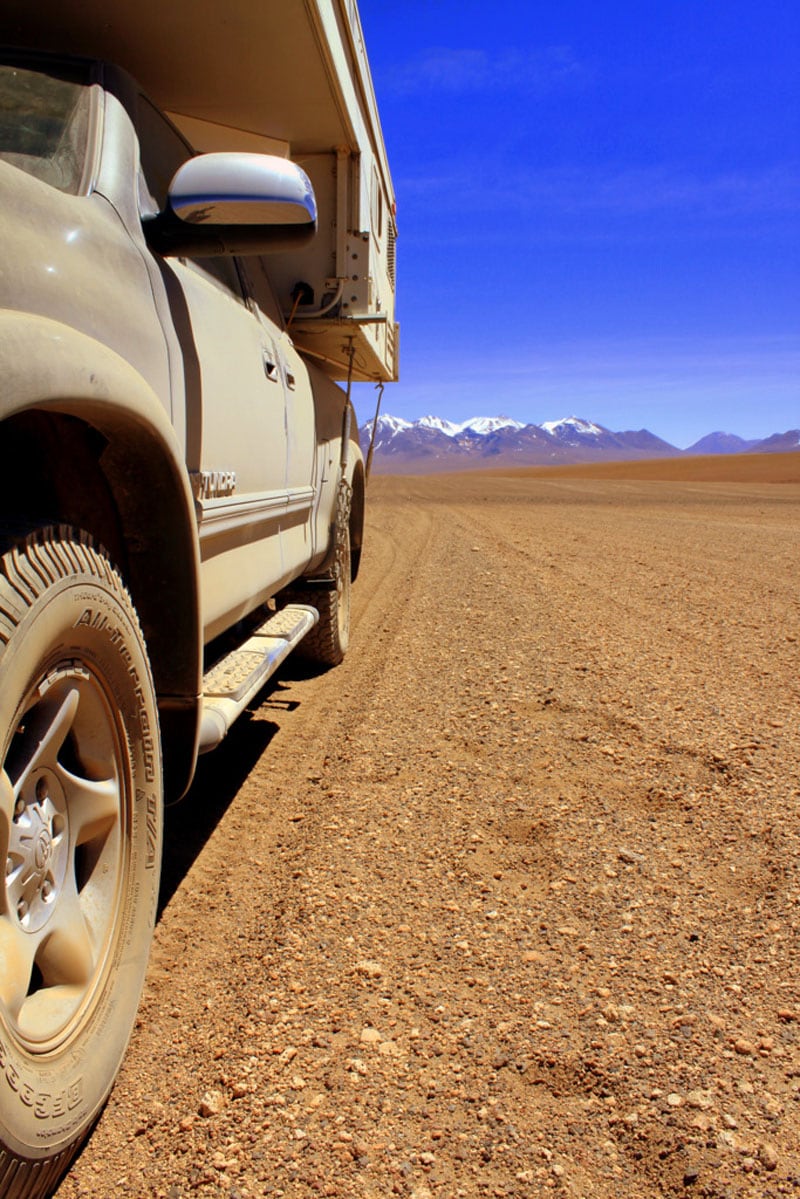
(326, 644)
(80, 830)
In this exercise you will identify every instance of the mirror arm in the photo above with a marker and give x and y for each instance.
(169, 236)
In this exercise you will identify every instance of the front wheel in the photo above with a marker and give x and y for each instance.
(80, 829)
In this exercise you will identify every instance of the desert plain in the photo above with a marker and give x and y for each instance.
(508, 904)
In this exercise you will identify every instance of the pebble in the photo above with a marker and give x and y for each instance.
(211, 1104)
(369, 969)
(768, 1156)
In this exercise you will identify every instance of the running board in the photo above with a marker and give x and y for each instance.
(232, 682)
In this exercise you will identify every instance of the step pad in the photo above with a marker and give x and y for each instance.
(232, 682)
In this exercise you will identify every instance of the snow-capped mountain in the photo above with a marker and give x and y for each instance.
(571, 428)
(432, 443)
(479, 425)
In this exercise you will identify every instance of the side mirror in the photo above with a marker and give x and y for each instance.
(234, 204)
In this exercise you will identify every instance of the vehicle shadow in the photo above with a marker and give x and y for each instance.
(189, 823)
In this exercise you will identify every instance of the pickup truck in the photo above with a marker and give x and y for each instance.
(183, 505)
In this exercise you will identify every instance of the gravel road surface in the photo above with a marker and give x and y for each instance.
(507, 904)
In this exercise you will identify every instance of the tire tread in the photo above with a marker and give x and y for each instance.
(32, 561)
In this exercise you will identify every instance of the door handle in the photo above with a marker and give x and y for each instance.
(271, 367)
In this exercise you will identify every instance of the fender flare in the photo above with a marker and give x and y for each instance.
(49, 367)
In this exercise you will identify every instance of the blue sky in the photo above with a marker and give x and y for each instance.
(597, 210)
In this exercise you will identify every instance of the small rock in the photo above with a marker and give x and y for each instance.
(369, 969)
(370, 1036)
(211, 1104)
(675, 1100)
(744, 1047)
(768, 1156)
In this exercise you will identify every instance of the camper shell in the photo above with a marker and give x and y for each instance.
(289, 79)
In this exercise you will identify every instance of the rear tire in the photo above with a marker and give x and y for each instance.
(80, 830)
(326, 644)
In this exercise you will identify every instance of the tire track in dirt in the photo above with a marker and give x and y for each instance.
(499, 907)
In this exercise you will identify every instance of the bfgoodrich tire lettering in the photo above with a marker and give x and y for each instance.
(80, 830)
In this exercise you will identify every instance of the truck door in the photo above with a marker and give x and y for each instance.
(234, 419)
(301, 434)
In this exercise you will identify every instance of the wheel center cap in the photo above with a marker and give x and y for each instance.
(38, 855)
(43, 851)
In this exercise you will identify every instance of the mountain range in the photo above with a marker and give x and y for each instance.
(432, 444)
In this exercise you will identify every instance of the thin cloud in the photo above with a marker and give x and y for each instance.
(631, 192)
(456, 72)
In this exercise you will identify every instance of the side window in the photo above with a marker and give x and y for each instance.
(162, 150)
(44, 121)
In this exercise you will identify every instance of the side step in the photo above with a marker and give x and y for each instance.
(232, 682)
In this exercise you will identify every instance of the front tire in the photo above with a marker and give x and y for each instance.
(80, 830)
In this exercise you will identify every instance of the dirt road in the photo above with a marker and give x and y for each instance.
(508, 904)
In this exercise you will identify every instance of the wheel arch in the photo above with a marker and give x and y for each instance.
(85, 441)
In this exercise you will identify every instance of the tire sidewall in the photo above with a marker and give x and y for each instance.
(48, 1100)
(343, 597)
